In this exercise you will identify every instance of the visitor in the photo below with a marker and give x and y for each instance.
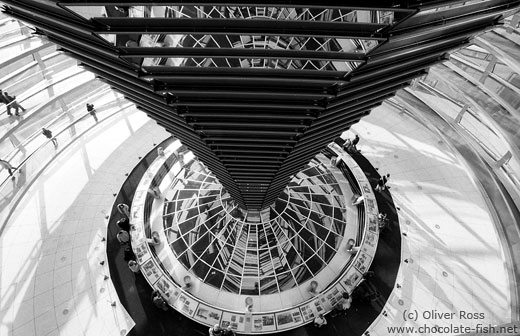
(313, 288)
(358, 200)
(187, 283)
(320, 321)
(350, 145)
(123, 224)
(133, 266)
(11, 102)
(155, 240)
(343, 305)
(216, 331)
(346, 302)
(48, 134)
(7, 166)
(123, 209)
(128, 254)
(385, 180)
(229, 331)
(353, 249)
(381, 184)
(186, 287)
(123, 237)
(356, 140)
(6, 102)
(155, 192)
(159, 301)
(382, 221)
(160, 151)
(92, 111)
(351, 246)
(347, 145)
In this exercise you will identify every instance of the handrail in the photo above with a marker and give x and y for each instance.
(443, 95)
(44, 84)
(484, 151)
(490, 124)
(14, 40)
(30, 65)
(26, 53)
(484, 146)
(15, 195)
(7, 20)
(16, 150)
(40, 106)
(67, 127)
(29, 94)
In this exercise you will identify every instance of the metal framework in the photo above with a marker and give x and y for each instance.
(256, 89)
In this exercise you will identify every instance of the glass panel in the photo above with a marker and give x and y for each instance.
(504, 72)
(179, 246)
(327, 252)
(315, 264)
(469, 69)
(302, 274)
(200, 269)
(467, 89)
(268, 285)
(250, 286)
(232, 283)
(509, 47)
(507, 94)
(285, 281)
(215, 278)
(200, 244)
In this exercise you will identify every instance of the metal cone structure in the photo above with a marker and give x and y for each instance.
(257, 89)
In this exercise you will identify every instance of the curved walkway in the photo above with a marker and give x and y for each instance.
(51, 250)
(453, 257)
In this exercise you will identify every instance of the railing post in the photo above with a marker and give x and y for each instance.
(503, 160)
(513, 24)
(461, 113)
(489, 68)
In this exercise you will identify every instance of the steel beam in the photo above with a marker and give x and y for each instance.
(218, 26)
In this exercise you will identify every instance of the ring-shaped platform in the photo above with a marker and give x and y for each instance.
(253, 270)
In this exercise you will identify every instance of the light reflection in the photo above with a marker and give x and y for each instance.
(250, 252)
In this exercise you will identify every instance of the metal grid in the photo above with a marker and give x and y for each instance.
(249, 252)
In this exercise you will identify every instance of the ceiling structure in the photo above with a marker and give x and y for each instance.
(256, 90)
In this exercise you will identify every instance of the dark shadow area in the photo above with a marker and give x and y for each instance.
(369, 298)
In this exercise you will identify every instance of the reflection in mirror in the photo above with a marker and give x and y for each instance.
(262, 251)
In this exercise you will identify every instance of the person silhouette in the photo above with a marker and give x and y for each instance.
(48, 134)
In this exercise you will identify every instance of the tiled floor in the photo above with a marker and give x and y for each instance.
(52, 282)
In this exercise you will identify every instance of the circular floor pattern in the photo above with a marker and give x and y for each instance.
(258, 271)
